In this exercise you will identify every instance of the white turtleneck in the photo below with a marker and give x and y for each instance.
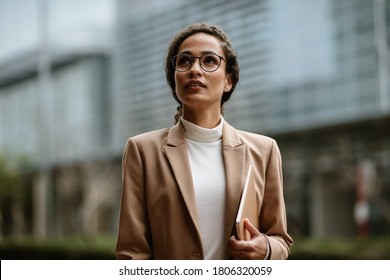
(208, 175)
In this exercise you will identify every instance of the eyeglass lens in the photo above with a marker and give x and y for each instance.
(208, 62)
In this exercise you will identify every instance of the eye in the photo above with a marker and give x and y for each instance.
(210, 59)
(183, 60)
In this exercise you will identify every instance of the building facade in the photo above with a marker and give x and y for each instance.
(57, 131)
(314, 76)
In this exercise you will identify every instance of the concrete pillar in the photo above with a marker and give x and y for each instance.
(40, 208)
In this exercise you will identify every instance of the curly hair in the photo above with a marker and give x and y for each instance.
(232, 66)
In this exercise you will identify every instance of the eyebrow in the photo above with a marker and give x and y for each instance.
(202, 53)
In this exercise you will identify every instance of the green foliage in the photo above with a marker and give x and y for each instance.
(70, 248)
(9, 179)
(341, 249)
(103, 248)
(11, 195)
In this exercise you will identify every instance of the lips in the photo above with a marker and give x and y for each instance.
(194, 84)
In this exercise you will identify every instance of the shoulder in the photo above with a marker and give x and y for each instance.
(150, 135)
(258, 144)
(235, 137)
(255, 143)
(250, 137)
(261, 148)
(149, 139)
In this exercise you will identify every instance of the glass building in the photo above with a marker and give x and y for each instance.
(314, 75)
(304, 63)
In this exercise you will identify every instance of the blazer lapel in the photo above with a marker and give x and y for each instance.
(236, 164)
(177, 154)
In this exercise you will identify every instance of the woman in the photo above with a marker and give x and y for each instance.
(182, 186)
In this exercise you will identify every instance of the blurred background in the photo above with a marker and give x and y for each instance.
(77, 78)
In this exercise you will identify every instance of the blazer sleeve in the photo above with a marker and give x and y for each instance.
(273, 221)
(134, 230)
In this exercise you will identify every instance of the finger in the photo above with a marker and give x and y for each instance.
(235, 253)
(236, 244)
(239, 254)
(254, 232)
(232, 242)
(232, 239)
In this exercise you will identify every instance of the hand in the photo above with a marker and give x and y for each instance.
(253, 249)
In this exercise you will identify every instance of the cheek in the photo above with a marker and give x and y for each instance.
(176, 78)
(220, 81)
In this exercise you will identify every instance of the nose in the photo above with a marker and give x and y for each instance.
(195, 68)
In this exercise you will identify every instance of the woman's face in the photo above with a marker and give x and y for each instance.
(196, 88)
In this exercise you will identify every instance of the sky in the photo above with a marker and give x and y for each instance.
(69, 21)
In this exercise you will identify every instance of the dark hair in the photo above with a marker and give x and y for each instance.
(230, 54)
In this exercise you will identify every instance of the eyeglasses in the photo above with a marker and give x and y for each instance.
(209, 62)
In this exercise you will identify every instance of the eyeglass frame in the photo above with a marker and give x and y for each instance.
(200, 62)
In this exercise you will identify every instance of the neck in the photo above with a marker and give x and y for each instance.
(204, 119)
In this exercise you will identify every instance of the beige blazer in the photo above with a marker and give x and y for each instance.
(158, 215)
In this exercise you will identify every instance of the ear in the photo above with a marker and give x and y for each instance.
(228, 83)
